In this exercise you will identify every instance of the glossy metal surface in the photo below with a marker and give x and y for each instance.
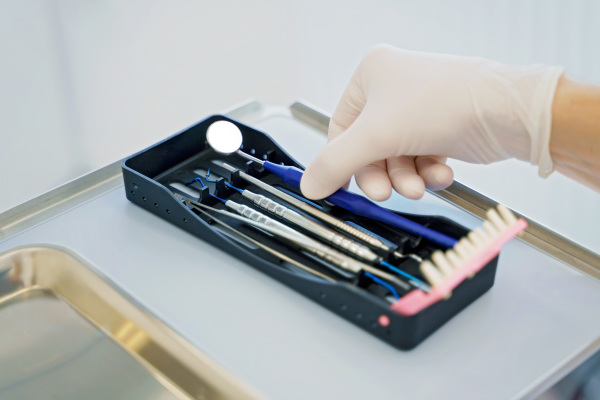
(68, 333)
(224, 137)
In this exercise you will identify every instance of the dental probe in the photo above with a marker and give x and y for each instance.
(226, 138)
(315, 212)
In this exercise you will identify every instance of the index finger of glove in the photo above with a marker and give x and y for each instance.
(341, 158)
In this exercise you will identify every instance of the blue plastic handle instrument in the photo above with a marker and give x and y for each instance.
(361, 206)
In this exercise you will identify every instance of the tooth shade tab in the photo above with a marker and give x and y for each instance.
(466, 243)
(490, 229)
(454, 259)
(477, 237)
(507, 215)
(442, 263)
(462, 250)
(431, 273)
(495, 219)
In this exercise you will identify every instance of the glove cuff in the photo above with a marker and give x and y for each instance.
(540, 140)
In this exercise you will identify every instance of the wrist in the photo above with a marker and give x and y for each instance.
(575, 136)
(540, 129)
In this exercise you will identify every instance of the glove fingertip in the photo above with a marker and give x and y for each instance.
(411, 187)
(310, 187)
(438, 176)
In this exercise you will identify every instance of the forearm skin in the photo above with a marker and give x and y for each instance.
(575, 136)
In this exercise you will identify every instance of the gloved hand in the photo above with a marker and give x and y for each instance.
(404, 112)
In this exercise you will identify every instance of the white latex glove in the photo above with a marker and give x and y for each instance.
(404, 112)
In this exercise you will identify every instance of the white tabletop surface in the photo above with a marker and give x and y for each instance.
(539, 314)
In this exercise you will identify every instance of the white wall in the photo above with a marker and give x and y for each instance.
(35, 145)
(86, 83)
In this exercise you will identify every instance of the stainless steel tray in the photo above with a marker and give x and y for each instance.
(68, 333)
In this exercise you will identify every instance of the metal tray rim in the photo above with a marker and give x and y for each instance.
(171, 360)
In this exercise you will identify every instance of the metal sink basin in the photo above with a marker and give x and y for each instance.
(67, 333)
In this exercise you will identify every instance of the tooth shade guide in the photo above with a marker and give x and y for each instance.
(468, 247)
(416, 301)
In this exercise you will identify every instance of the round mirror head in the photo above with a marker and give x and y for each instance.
(224, 137)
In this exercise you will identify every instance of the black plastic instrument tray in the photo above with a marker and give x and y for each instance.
(151, 177)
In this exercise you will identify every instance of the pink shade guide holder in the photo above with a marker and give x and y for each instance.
(417, 300)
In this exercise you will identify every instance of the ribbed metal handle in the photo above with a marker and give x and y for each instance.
(357, 233)
(321, 231)
(259, 217)
(254, 215)
(342, 262)
(267, 204)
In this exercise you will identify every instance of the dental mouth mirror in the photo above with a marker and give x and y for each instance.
(226, 138)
